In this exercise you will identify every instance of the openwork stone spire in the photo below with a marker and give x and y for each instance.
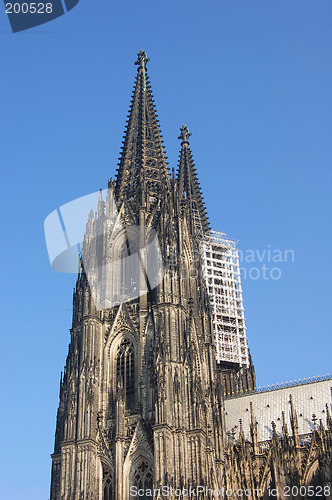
(188, 185)
(142, 169)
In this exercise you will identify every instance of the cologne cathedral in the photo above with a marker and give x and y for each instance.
(158, 397)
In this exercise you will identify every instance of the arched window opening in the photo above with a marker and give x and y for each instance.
(185, 275)
(270, 490)
(317, 484)
(125, 369)
(129, 267)
(107, 485)
(143, 481)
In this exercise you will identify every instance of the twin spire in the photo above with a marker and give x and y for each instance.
(188, 186)
(143, 171)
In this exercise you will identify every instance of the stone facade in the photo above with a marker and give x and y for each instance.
(141, 398)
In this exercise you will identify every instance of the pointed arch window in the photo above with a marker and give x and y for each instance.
(107, 485)
(143, 480)
(125, 369)
(129, 267)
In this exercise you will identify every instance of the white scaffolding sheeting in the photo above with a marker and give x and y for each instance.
(222, 274)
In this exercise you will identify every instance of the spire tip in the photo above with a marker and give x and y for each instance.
(185, 134)
(142, 59)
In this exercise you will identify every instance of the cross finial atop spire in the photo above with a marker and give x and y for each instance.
(142, 59)
(185, 134)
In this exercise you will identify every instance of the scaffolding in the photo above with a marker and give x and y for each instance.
(222, 275)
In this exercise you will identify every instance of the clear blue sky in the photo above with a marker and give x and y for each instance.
(252, 80)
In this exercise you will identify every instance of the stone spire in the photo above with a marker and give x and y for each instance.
(274, 431)
(241, 434)
(253, 430)
(314, 420)
(142, 169)
(328, 418)
(294, 423)
(189, 190)
(284, 427)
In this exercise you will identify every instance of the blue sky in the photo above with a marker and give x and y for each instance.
(252, 80)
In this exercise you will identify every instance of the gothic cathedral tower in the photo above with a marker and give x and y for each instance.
(140, 405)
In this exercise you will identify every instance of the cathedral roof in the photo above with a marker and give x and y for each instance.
(298, 402)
